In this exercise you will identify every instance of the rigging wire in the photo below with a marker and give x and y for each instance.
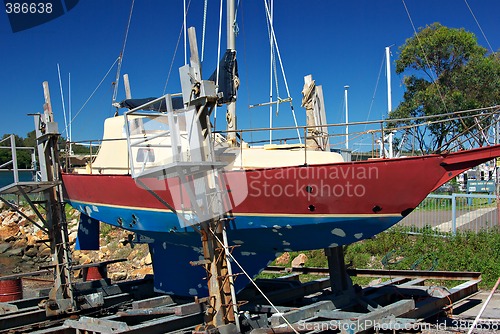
(479, 26)
(245, 62)
(205, 5)
(175, 53)
(283, 71)
(95, 90)
(228, 253)
(62, 99)
(432, 74)
(372, 100)
(376, 87)
(117, 79)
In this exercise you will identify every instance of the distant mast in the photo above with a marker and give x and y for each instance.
(346, 87)
(389, 95)
(388, 73)
(231, 45)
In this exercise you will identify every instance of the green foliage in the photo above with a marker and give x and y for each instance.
(446, 70)
(105, 230)
(23, 156)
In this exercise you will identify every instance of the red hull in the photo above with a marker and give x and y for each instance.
(380, 186)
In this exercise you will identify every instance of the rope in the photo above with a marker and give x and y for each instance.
(62, 99)
(175, 53)
(117, 80)
(376, 87)
(91, 95)
(226, 248)
(205, 5)
(479, 26)
(282, 69)
(434, 80)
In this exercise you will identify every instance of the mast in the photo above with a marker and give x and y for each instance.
(388, 73)
(346, 87)
(231, 45)
(271, 67)
(389, 95)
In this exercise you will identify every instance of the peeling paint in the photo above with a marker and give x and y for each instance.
(280, 234)
(276, 227)
(286, 243)
(193, 292)
(248, 253)
(334, 245)
(274, 230)
(288, 250)
(358, 235)
(95, 208)
(289, 227)
(238, 242)
(338, 232)
(164, 245)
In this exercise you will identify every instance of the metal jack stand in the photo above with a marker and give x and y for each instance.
(340, 281)
(186, 165)
(61, 299)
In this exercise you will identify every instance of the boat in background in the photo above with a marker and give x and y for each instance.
(160, 169)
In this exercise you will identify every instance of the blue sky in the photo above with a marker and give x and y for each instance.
(338, 42)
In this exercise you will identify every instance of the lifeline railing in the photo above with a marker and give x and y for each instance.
(14, 161)
(474, 132)
(450, 213)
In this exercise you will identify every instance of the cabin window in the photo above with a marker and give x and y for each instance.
(145, 155)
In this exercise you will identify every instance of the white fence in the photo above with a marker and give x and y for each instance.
(455, 212)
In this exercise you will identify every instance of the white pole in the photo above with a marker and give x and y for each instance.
(389, 94)
(271, 44)
(346, 87)
(185, 33)
(388, 68)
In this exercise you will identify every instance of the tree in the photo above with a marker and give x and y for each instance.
(446, 71)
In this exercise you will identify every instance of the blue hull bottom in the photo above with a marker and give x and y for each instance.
(259, 240)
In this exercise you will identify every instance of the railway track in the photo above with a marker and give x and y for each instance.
(133, 307)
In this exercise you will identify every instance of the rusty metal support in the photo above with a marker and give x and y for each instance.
(220, 302)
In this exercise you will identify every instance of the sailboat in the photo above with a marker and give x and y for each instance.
(161, 171)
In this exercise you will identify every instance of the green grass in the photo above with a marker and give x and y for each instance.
(432, 203)
(396, 249)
